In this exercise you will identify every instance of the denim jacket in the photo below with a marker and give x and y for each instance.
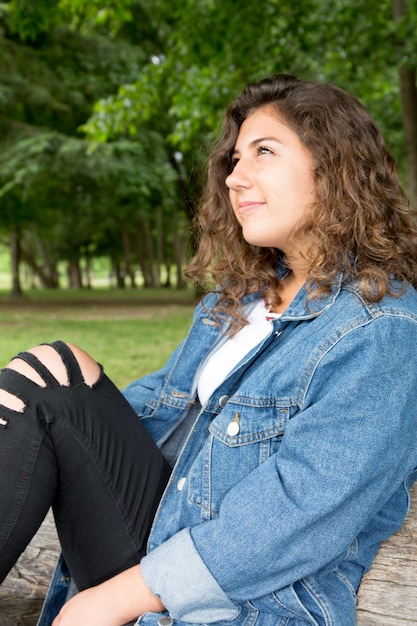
(286, 481)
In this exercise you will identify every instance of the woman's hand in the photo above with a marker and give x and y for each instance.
(115, 602)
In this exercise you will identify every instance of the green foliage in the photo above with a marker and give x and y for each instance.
(90, 15)
(29, 20)
(213, 48)
(77, 195)
(55, 83)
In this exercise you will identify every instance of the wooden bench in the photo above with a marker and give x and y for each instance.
(387, 597)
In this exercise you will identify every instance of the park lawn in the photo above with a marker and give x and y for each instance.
(130, 337)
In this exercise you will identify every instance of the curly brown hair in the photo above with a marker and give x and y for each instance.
(360, 225)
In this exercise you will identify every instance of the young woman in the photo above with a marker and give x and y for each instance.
(286, 422)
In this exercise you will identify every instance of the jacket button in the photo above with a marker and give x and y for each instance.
(180, 485)
(233, 429)
(165, 621)
(223, 400)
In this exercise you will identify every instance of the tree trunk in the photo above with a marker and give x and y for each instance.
(145, 254)
(35, 254)
(75, 280)
(15, 255)
(46, 280)
(409, 107)
(409, 104)
(119, 273)
(159, 236)
(88, 273)
(127, 247)
(178, 243)
(49, 265)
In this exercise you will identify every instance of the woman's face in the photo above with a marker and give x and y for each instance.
(271, 187)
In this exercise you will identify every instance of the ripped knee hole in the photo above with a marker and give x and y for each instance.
(10, 401)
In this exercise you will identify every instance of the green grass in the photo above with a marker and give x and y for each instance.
(130, 332)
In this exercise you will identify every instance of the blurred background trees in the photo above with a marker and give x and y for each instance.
(108, 107)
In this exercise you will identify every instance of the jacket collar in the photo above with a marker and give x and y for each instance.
(300, 308)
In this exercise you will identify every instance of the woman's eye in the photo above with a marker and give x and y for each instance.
(263, 150)
(233, 161)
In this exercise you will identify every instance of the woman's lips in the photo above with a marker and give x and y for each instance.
(249, 205)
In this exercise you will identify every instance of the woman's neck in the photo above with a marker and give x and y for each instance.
(290, 285)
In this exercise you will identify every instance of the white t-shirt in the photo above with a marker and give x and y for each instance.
(223, 360)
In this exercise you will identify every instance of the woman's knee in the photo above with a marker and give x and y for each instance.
(54, 362)
(52, 365)
(90, 369)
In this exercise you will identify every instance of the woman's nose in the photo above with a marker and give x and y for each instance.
(240, 176)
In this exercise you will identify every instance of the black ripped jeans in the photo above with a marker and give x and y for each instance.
(83, 451)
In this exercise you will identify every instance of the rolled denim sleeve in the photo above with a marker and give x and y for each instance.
(175, 572)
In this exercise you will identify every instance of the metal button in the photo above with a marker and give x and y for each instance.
(181, 483)
(233, 429)
(165, 621)
(223, 400)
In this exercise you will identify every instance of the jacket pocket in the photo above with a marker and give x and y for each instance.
(240, 438)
